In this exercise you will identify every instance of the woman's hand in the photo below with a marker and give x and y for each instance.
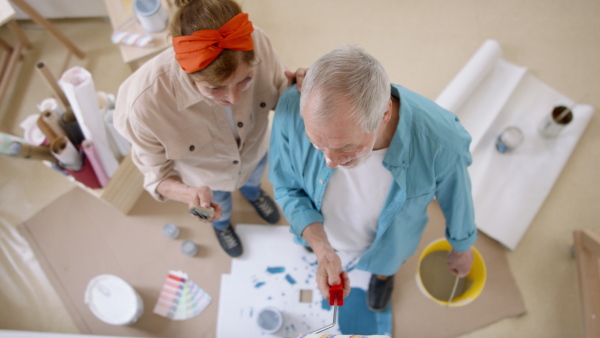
(297, 77)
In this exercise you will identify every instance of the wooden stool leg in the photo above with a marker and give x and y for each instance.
(19, 33)
(10, 67)
(40, 20)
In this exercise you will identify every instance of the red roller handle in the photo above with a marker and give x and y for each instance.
(337, 292)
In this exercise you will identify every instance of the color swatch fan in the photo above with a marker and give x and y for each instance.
(180, 298)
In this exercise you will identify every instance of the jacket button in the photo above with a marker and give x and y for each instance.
(262, 104)
(235, 162)
(321, 181)
(240, 124)
(192, 147)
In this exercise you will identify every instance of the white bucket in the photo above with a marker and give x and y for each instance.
(113, 300)
(152, 17)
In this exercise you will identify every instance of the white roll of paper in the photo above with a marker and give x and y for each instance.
(78, 86)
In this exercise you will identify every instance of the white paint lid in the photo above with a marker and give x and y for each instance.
(113, 300)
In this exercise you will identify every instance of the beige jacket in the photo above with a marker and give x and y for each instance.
(175, 131)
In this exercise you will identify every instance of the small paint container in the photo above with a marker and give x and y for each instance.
(189, 248)
(509, 139)
(171, 230)
(152, 17)
(555, 122)
(269, 319)
(113, 300)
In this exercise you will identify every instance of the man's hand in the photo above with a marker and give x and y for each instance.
(203, 196)
(460, 263)
(329, 263)
(297, 77)
(328, 274)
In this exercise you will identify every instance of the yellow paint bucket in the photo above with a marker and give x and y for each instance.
(475, 278)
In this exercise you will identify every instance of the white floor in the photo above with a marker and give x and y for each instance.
(422, 44)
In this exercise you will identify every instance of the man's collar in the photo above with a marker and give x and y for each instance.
(398, 152)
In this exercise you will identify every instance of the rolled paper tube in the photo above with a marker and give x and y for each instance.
(86, 175)
(53, 121)
(66, 153)
(52, 105)
(31, 132)
(73, 131)
(132, 39)
(90, 153)
(24, 150)
(78, 86)
(46, 130)
(6, 139)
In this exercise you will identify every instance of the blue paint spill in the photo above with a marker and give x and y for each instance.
(259, 284)
(356, 318)
(276, 269)
(290, 279)
(269, 298)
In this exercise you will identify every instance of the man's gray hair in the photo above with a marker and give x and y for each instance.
(347, 75)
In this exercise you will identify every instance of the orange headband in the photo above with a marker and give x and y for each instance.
(195, 52)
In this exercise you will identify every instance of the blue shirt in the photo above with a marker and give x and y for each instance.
(427, 157)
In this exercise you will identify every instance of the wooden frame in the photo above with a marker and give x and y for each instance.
(587, 253)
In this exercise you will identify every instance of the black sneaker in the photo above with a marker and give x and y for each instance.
(266, 208)
(380, 292)
(229, 240)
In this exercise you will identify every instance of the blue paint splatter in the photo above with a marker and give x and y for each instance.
(251, 312)
(259, 284)
(269, 298)
(290, 279)
(276, 269)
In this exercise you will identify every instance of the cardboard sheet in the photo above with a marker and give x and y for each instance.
(78, 237)
(488, 95)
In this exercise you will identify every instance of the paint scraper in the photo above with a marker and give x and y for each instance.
(336, 298)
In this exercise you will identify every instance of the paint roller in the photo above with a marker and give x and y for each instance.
(336, 298)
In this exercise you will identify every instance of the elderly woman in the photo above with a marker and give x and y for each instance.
(197, 114)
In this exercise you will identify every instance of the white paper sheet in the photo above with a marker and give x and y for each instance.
(488, 95)
(250, 286)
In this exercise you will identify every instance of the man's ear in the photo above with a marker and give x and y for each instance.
(387, 116)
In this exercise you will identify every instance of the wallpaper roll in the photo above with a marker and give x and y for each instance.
(52, 120)
(480, 64)
(51, 104)
(28, 151)
(86, 175)
(6, 139)
(66, 153)
(89, 149)
(46, 129)
(78, 86)
(31, 132)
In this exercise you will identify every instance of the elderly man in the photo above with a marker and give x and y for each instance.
(355, 161)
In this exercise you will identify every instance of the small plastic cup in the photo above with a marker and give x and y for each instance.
(171, 230)
(509, 139)
(269, 319)
(189, 248)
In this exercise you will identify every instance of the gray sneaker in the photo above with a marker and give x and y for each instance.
(229, 240)
(266, 208)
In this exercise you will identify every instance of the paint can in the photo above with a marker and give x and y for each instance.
(269, 319)
(152, 17)
(113, 300)
(189, 248)
(170, 230)
(429, 274)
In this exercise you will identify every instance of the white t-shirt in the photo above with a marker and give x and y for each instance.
(352, 203)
